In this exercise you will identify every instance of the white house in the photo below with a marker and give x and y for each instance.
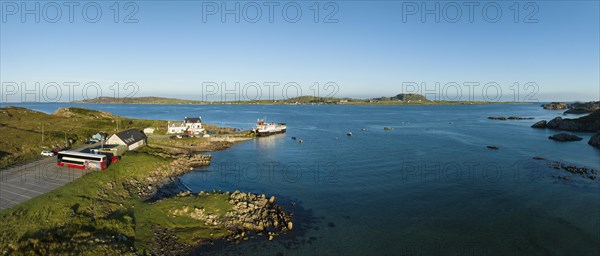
(190, 125)
(131, 138)
(149, 130)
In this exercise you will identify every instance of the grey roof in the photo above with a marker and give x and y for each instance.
(193, 120)
(131, 136)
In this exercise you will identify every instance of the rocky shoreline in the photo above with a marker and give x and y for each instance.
(574, 108)
(584, 172)
(588, 123)
(250, 215)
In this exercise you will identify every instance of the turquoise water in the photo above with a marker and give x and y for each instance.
(428, 187)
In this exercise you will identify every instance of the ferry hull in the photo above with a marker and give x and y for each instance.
(263, 134)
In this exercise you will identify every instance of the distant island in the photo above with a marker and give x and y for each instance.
(400, 99)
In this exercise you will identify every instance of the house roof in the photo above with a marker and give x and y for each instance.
(131, 136)
(193, 120)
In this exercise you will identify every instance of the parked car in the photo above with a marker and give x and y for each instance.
(89, 142)
(47, 153)
(181, 136)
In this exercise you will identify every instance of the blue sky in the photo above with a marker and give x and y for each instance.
(369, 52)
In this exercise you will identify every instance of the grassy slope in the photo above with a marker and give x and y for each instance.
(21, 130)
(84, 216)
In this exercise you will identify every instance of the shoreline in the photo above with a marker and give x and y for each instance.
(139, 205)
(193, 221)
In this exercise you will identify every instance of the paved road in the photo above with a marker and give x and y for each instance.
(20, 183)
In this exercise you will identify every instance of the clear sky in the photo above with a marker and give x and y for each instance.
(367, 48)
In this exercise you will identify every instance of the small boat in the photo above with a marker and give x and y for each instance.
(301, 141)
(263, 128)
(349, 133)
(293, 138)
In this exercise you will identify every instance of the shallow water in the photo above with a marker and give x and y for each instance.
(428, 187)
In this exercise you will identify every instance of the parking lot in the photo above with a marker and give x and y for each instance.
(20, 183)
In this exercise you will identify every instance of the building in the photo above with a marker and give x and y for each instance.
(131, 138)
(149, 130)
(99, 136)
(112, 152)
(190, 125)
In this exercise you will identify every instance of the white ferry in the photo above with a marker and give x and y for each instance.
(263, 128)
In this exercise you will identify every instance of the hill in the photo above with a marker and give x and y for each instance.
(25, 133)
(413, 98)
(138, 100)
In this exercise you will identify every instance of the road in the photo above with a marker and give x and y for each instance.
(20, 183)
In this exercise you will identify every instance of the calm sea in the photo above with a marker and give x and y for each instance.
(428, 187)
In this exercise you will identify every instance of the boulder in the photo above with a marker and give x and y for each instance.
(540, 124)
(565, 137)
(595, 140)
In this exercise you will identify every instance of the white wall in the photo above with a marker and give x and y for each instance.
(137, 145)
(114, 139)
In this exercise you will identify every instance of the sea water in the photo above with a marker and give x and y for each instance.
(428, 187)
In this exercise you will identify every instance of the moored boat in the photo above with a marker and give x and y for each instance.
(263, 128)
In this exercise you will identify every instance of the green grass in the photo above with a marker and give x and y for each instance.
(187, 229)
(25, 133)
(68, 220)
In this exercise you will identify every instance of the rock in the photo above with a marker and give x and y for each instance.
(555, 106)
(539, 124)
(272, 199)
(583, 107)
(519, 118)
(589, 123)
(578, 111)
(388, 128)
(565, 137)
(509, 118)
(290, 225)
(595, 140)
(270, 238)
(492, 147)
(559, 123)
(554, 123)
(537, 158)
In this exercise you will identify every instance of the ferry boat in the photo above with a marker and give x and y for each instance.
(263, 128)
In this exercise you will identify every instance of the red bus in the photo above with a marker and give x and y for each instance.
(80, 160)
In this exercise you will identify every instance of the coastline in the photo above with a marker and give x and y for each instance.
(138, 205)
(315, 104)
